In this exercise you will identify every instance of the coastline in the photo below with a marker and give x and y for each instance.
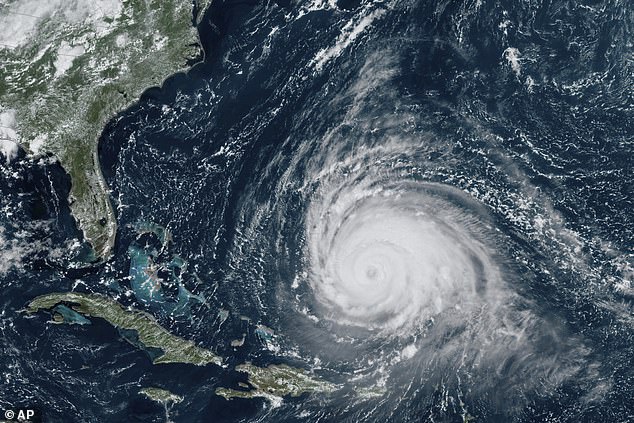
(64, 86)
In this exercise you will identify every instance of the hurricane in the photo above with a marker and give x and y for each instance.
(409, 210)
(391, 256)
(386, 272)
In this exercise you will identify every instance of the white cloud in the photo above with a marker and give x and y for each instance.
(9, 136)
(512, 55)
(20, 18)
(349, 34)
(12, 252)
(65, 56)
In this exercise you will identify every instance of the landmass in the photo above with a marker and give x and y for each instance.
(272, 382)
(276, 381)
(160, 395)
(150, 335)
(145, 266)
(69, 67)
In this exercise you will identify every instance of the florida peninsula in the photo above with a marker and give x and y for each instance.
(69, 67)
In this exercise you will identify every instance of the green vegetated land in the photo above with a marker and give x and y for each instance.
(272, 382)
(160, 395)
(63, 83)
(150, 334)
(276, 381)
(75, 72)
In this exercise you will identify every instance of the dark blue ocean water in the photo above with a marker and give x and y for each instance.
(525, 106)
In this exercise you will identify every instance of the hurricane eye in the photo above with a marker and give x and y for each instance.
(389, 260)
(371, 272)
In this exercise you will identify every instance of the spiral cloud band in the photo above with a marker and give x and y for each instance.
(389, 257)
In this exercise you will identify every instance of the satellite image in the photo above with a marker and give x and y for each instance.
(317, 211)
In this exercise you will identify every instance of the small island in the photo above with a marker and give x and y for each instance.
(162, 396)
